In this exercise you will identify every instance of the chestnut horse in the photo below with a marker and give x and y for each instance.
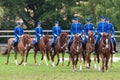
(76, 52)
(42, 47)
(104, 50)
(90, 47)
(21, 47)
(60, 46)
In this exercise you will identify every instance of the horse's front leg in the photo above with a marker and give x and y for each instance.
(62, 58)
(73, 63)
(53, 58)
(35, 52)
(103, 60)
(22, 55)
(8, 55)
(47, 53)
(80, 60)
(27, 55)
(69, 60)
(43, 57)
(16, 62)
(58, 58)
(111, 60)
(95, 56)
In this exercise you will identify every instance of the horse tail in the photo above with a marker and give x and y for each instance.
(5, 51)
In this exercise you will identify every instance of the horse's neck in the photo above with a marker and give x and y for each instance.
(42, 41)
(23, 42)
(59, 42)
(75, 44)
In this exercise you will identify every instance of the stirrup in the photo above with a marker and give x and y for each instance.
(113, 52)
(51, 49)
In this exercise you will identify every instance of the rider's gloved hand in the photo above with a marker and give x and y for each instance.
(55, 35)
(112, 36)
(39, 34)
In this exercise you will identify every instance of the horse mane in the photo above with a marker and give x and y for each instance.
(63, 35)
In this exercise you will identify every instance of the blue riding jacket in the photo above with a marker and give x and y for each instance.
(88, 27)
(56, 31)
(39, 33)
(111, 29)
(75, 28)
(102, 27)
(18, 31)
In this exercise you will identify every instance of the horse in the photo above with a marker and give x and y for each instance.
(60, 46)
(76, 52)
(20, 47)
(42, 47)
(90, 47)
(104, 50)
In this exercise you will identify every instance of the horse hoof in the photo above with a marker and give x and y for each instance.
(53, 64)
(6, 63)
(106, 70)
(74, 70)
(24, 64)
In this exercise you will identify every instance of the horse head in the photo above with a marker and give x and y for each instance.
(105, 42)
(46, 39)
(63, 40)
(26, 38)
(77, 39)
(91, 37)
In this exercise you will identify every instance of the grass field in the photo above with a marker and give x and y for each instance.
(43, 72)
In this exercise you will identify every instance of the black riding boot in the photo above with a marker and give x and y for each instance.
(96, 48)
(69, 46)
(115, 46)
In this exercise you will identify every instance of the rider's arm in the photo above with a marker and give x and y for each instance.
(53, 32)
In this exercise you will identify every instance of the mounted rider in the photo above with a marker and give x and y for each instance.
(76, 28)
(88, 27)
(19, 32)
(39, 33)
(101, 27)
(111, 29)
(56, 31)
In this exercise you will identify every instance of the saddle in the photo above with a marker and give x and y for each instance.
(14, 44)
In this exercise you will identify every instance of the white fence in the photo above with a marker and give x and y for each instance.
(10, 33)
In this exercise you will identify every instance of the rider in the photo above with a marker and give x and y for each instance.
(56, 31)
(18, 31)
(101, 27)
(111, 29)
(88, 26)
(39, 33)
(76, 27)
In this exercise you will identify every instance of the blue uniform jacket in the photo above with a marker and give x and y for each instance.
(102, 27)
(76, 28)
(88, 27)
(110, 28)
(39, 32)
(18, 31)
(56, 31)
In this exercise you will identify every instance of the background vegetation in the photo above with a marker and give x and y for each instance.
(47, 11)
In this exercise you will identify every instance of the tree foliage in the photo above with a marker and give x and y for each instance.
(47, 11)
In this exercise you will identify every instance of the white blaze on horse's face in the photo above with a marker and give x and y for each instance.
(77, 48)
(90, 39)
(106, 43)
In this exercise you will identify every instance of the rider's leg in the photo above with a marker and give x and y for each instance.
(114, 43)
(96, 43)
(70, 42)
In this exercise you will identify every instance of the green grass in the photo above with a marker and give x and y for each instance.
(43, 72)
